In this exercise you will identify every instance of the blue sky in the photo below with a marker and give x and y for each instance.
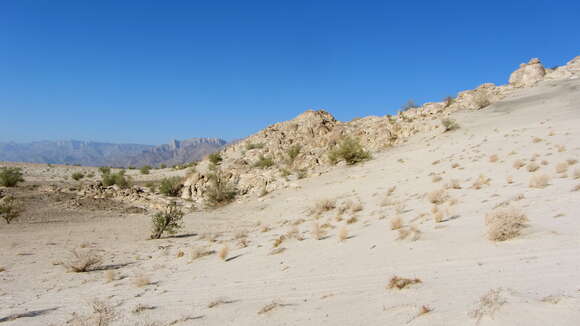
(150, 71)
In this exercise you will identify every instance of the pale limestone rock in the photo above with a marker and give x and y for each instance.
(528, 74)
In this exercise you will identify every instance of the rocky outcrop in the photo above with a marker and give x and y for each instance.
(528, 74)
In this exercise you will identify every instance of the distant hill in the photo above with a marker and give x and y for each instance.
(107, 154)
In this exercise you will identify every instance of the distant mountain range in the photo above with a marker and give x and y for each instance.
(106, 154)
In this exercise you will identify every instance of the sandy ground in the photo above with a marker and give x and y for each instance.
(534, 278)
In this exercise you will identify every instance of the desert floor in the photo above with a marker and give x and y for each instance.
(342, 277)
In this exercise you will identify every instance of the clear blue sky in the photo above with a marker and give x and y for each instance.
(150, 71)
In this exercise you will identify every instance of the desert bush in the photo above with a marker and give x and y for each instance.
(493, 158)
(349, 150)
(77, 176)
(505, 223)
(170, 186)
(250, 146)
(449, 124)
(219, 191)
(518, 164)
(83, 261)
(170, 220)
(10, 208)
(481, 100)
(488, 305)
(118, 179)
(105, 170)
(264, 162)
(162, 166)
(480, 182)
(215, 158)
(10, 177)
(342, 234)
(145, 169)
(437, 196)
(539, 181)
(223, 252)
(321, 206)
(409, 105)
(532, 167)
(102, 314)
(293, 152)
(396, 223)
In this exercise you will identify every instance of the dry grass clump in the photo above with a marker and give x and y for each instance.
(518, 164)
(493, 158)
(480, 182)
(449, 124)
(223, 252)
(577, 173)
(537, 139)
(317, 232)
(405, 232)
(352, 220)
(561, 148)
(509, 179)
(437, 196)
(438, 214)
(453, 184)
(488, 305)
(396, 223)
(218, 302)
(141, 280)
(539, 180)
(197, 253)
(532, 167)
(269, 307)
(83, 261)
(505, 223)
(400, 283)
(342, 234)
(576, 188)
(562, 167)
(571, 161)
(102, 314)
(436, 178)
(323, 205)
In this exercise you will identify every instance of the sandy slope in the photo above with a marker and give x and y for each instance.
(329, 282)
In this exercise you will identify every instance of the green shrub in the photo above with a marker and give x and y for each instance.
(162, 166)
(10, 177)
(293, 152)
(250, 146)
(131, 167)
(219, 190)
(449, 124)
(170, 220)
(105, 170)
(118, 179)
(215, 158)
(170, 186)
(264, 162)
(10, 208)
(77, 176)
(145, 169)
(349, 150)
(151, 185)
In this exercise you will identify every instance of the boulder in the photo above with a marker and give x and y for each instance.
(528, 74)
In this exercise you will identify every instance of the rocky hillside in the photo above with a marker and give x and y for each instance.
(272, 158)
(101, 154)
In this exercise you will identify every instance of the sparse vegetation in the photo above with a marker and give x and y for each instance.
(349, 150)
(488, 305)
(77, 176)
(518, 164)
(505, 223)
(437, 196)
(409, 105)
(264, 162)
(562, 167)
(293, 152)
(118, 179)
(223, 252)
(481, 101)
(83, 261)
(539, 180)
(169, 221)
(170, 186)
(449, 124)
(343, 234)
(250, 146)
(396, 223)
(215, 158)
(105, 170)
(323, 205)
(219, 191)
(10, 208)
(10, 177)
(145, 169)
